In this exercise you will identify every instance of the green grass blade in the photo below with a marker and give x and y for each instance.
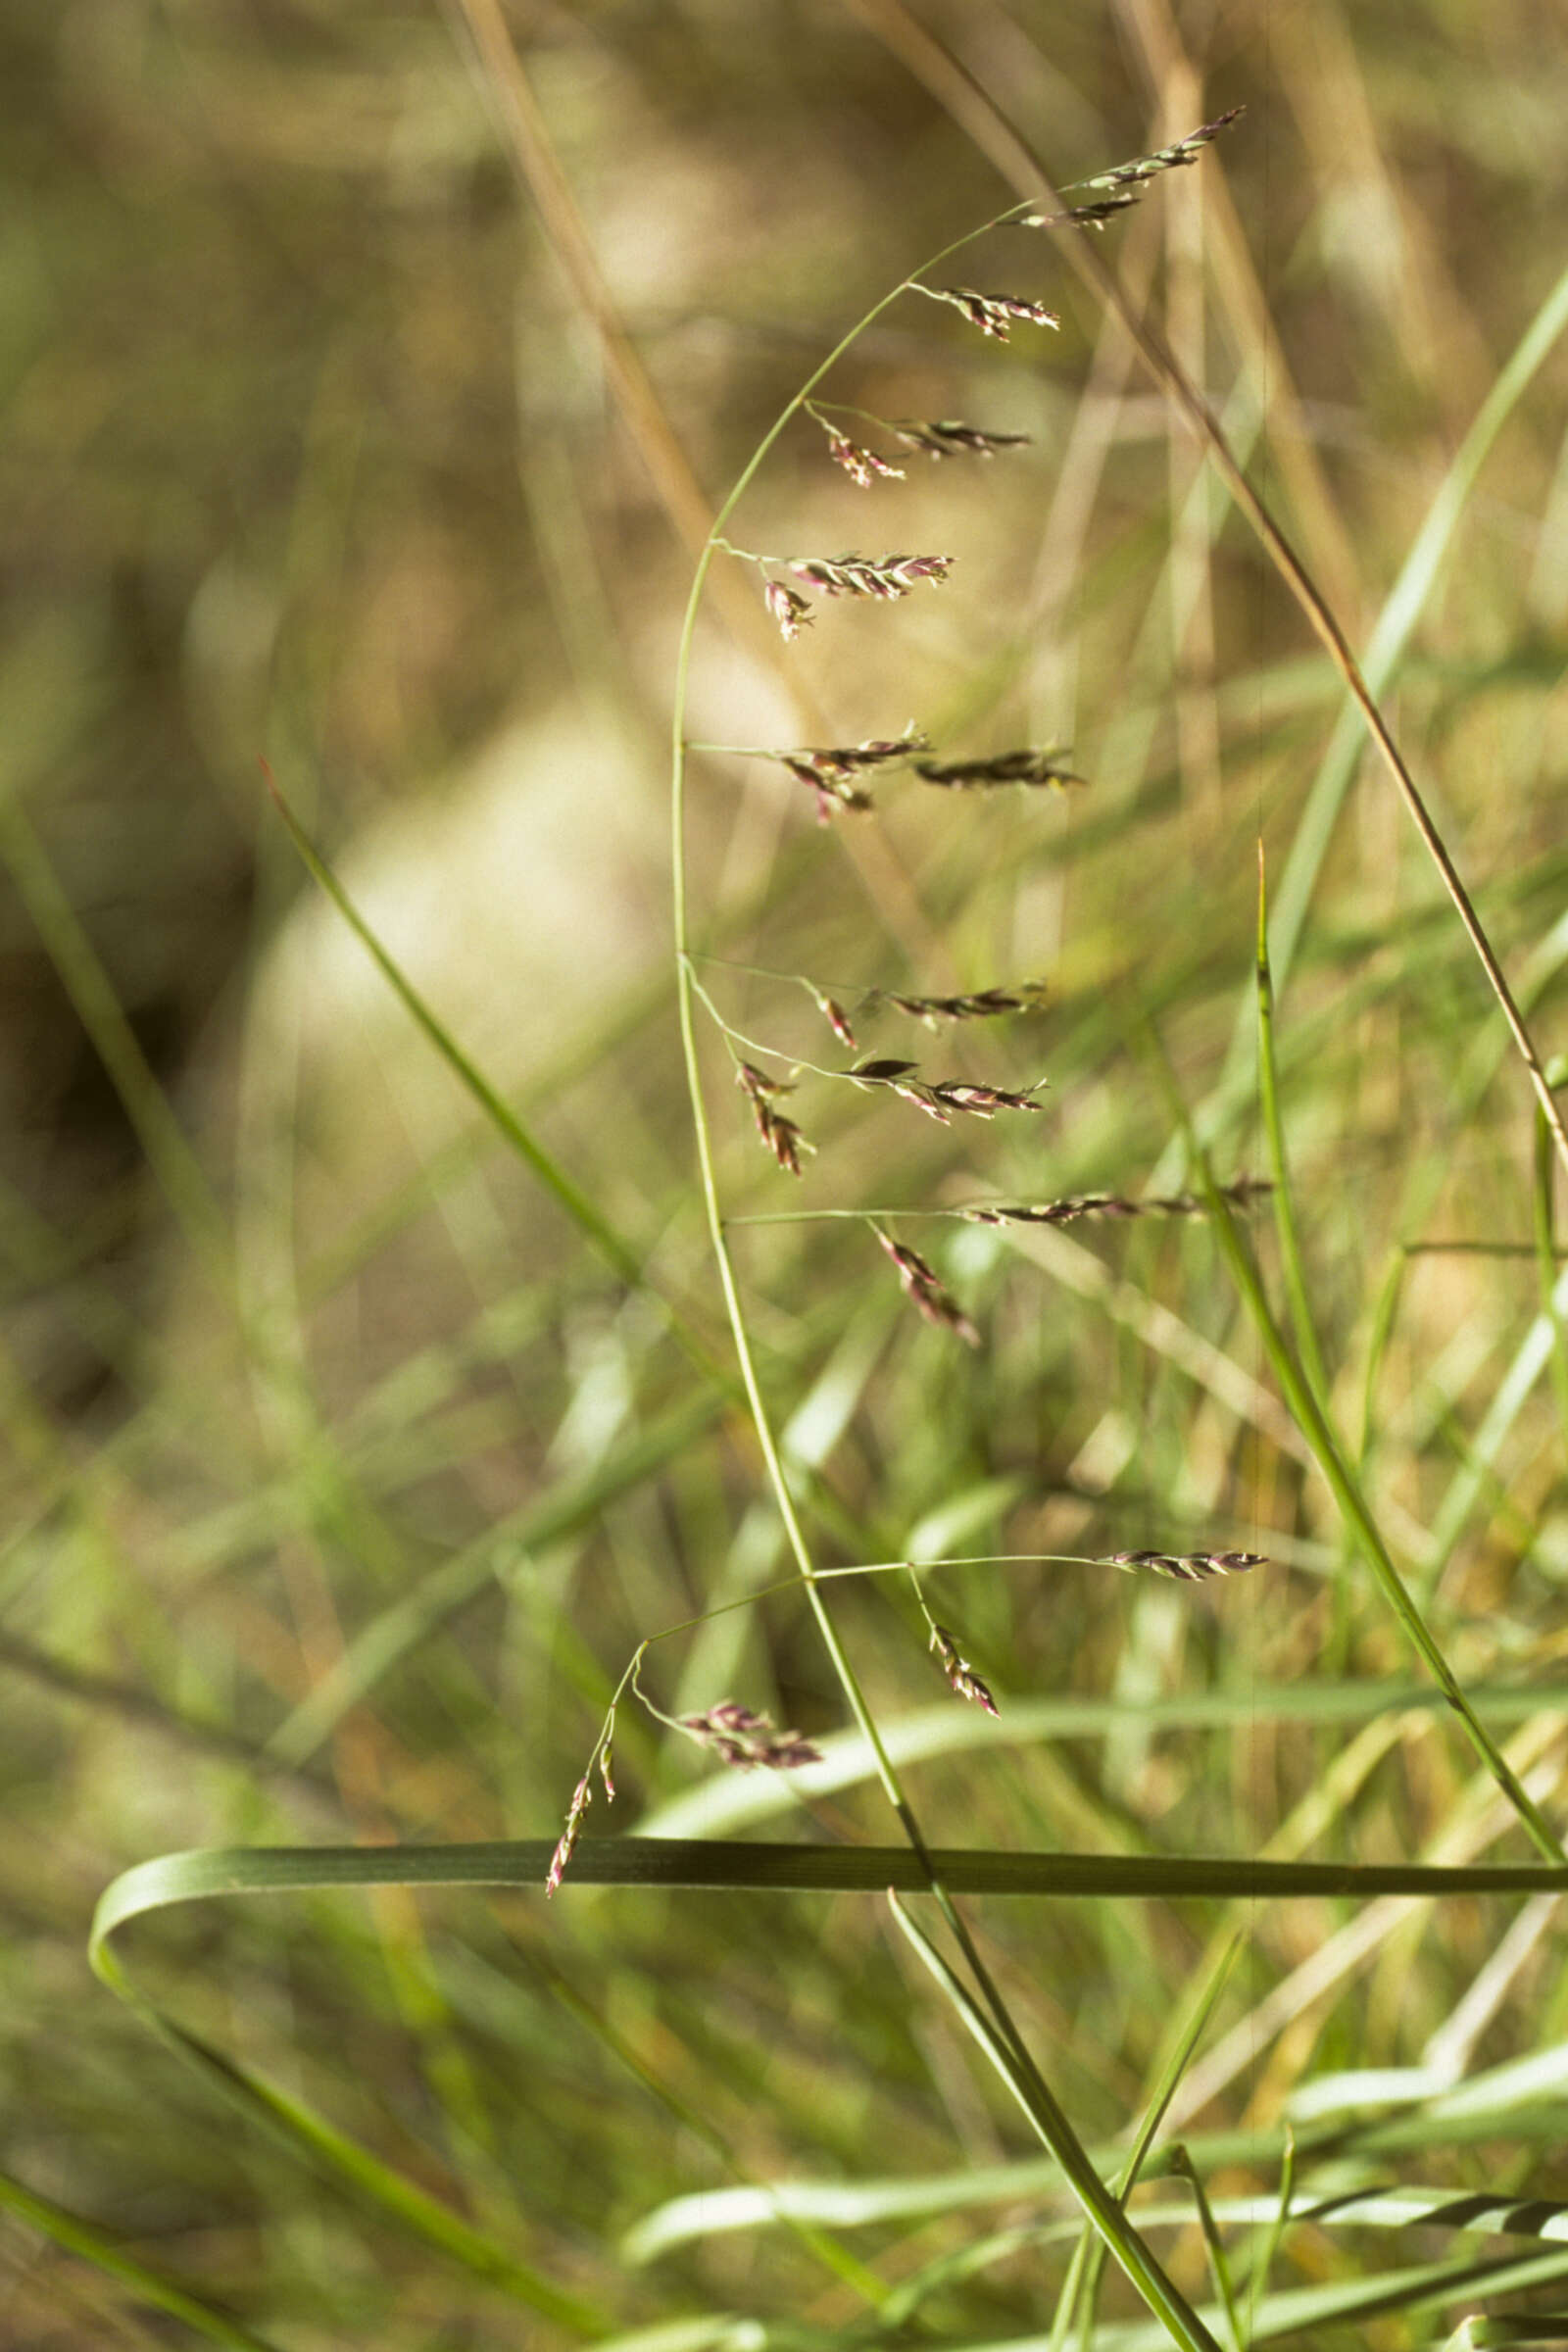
(1296, 1290)
(717, 1865)
(1347, 1492)
(1181, 2323)
(618, 1252)
(73, 2235)
(306, 2133)
(399, 1629)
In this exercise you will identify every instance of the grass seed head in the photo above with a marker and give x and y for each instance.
(947, 437)
(1028, 766)
(1189, 1567)
(926, 1291)
(743, 1739)
(863, 466)
(887, 577)
(961, 1676)
(994, 314)
(792, 612)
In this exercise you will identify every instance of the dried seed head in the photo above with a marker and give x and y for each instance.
(743, 1739)
(792, 612)
(1028, 766)
(1239, 1195)
(863, 466)
(993, 314)
(1189, 1567)
(922, 1287)
(961, 1676)
(945, 437)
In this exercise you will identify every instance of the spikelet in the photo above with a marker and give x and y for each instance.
(885, 576)
(745, 1739)
(1188, 1567)
(992, 314)
(1027, 767)
(781, 1135)
(961, 1676)
(1126, 183)
(946, 437)
(923, 1287)
(941, 1098)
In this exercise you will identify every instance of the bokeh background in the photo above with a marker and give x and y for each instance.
(317, 451)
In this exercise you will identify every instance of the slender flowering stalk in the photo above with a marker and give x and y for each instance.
(1239, 1195)
(1115, 2226)
(1028, 766)
(1188, 1567)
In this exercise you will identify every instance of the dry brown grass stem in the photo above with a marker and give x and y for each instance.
(977, 111)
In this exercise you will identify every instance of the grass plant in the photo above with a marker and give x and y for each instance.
(951, 1728)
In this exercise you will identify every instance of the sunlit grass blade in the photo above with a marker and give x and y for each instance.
(88, 2243)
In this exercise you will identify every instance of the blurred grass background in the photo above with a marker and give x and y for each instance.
(310, 452)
